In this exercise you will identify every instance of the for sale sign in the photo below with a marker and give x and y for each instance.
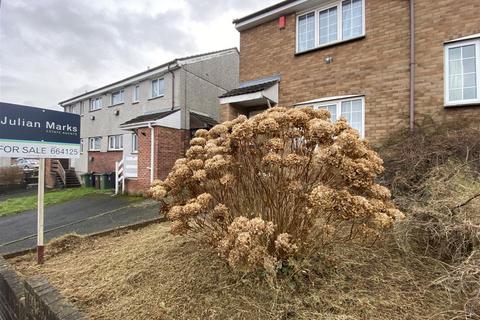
(38, 133)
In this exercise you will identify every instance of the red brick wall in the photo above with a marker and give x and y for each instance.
(376, 66)
(103, 162)
(170, 145)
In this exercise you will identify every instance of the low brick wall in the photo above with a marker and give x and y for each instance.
(32, 299)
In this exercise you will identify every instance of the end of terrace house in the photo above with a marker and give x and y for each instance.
(147, 120)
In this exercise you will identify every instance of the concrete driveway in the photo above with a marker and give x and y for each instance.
(87, 215)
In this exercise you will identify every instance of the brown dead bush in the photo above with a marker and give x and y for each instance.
(265, 189)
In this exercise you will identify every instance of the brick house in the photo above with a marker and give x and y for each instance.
(383, 64)
(147, 119)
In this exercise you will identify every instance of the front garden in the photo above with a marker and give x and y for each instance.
(286, 216)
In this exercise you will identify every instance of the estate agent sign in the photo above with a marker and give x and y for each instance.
(38, 133)
(30, 132)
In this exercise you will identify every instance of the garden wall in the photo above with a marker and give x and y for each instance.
(32, 299)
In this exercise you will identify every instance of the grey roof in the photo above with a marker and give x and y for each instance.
(264, 10)
(150, 117)
(202, 118)
(249, 89)
(172, 62)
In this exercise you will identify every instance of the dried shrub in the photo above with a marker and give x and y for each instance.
(268, 188)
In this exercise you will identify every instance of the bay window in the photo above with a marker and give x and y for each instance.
(340, 21)
(462, 72)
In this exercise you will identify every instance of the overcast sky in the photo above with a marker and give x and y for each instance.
(51, 50)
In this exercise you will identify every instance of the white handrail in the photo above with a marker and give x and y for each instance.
(119, 176)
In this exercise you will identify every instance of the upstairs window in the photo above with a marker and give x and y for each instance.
(115, 142)
(462, 72)
(340, 21)
(96, 104)
(158, 88)
(117, 97)
(136, 94)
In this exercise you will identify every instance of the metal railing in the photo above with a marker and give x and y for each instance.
(58, 168)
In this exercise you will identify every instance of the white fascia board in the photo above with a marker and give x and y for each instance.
(327, 99)
(291, 7)
(471, 37)
(271, 93)
(119, 85)
(241, 98)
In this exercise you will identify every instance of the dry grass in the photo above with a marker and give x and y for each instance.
(150, 274)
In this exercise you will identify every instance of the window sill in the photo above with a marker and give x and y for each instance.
(157, 97)
(118, 104)
(459, 105)
(93, 150)
(329, 45)
(135, 102)
(134, 152)
(114, 150)
(90, 111)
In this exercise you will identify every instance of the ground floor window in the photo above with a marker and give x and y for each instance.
(94, 144)
(134, 143)
(115, 142)
(81, 145)
(352, 109)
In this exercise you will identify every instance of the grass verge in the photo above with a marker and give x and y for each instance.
(20, 204)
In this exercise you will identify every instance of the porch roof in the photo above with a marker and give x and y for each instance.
(149, 117)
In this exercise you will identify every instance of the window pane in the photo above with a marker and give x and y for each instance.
(161, 87)
(352, 111)
(455, 54)
(455, 94)
(154, 88)
(306, 31)
(332, 109)
(455, 67)
(470, 80)
(469, 65)
(328, 25)
(469, 51)
(455, 82)
(470, 93)
(352, 18)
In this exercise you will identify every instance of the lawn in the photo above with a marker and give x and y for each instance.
(20, 204)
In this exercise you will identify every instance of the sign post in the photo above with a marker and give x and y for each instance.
(40, 223)
(30, 132)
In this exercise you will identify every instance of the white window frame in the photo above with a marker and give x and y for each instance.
(338, 4)
(114, 144)
(338, 104)
(446, 63)
(92, 142)
(134, 143)
(158, 87)
(136, 94)
(82, 107)
(95, 104)
(122, 97)
(81, 146)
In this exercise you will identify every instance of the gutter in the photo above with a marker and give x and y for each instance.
(412, 66)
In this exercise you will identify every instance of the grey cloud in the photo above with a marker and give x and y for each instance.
(203, 10)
